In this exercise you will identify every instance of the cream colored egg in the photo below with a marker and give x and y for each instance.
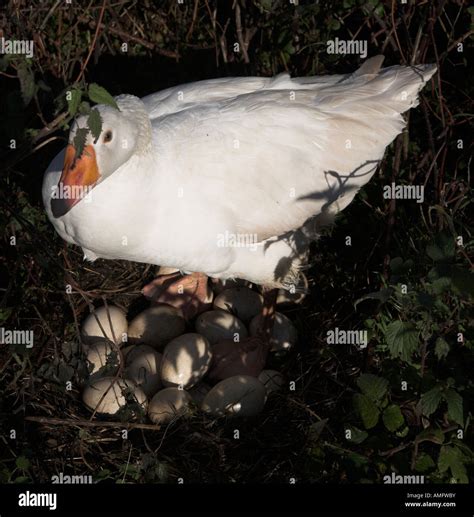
(199, 392)
(165, 270)
(131, 352)
(218, 325)
(218, 285)
(144, 369)
(272, 380)
(240, 395)
(114, 398)
(284, 333)
(156, 326)
(168, 404)
(186, 360)
(113, 322)
(293, 296)
(240, 301)
(102, 358)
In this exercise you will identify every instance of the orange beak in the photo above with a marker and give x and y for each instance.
(77, 180)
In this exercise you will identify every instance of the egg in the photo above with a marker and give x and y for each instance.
(229, 358)
(165, 270)
(284, 333)
(218, 325)
(218, 285)
(102, 358)
(131, 352)
(293, 296)
(240, 301)
(144, 369)
(167, 404)
(186, 360)
(198, 392)
(114, 398)
(156, 326)
(240, 395)
(113, 321)
(272, 380)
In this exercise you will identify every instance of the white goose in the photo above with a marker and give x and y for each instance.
(177, 175)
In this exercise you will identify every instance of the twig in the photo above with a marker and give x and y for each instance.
(91, 49)
(88, 423)
(238, 23)
(191, 27)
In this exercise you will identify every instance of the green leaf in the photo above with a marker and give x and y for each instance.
(462, 281)
(73, 102)
(373, 386)
(442, 249)
(101, 96)
(392, 418)
(84, 108)
(357, 435)
(5, 313)
(22, 479)
(27, 82)
(80, 140)
(382, 296)
(431, 435)
(94, 121)
(455, 406)
(316, 429)
(441, 348)
(430, 400)
(450, 457)
(424, 462)
(368, 411)
(22, 463)
(402, 339)
(403, 432)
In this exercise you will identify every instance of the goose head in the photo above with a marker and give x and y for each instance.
(126, 132)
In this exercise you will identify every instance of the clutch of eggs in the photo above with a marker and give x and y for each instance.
(165, 363)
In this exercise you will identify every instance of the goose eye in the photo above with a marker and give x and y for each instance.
(107, 137)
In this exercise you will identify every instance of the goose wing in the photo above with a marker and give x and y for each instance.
(275, 157)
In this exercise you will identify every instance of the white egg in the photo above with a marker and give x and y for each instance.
(293, 296)
(165, 270)
(240, 301)
(167, 404)
(113, 321)
(156, 326)
(218, 285)
(240, 395)
(131, 352)
(102, 358)
(272, 380)
(284, 333)
(199, 392)
(218, 325)
(144, 369)
(186, 360)
(114, 398)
